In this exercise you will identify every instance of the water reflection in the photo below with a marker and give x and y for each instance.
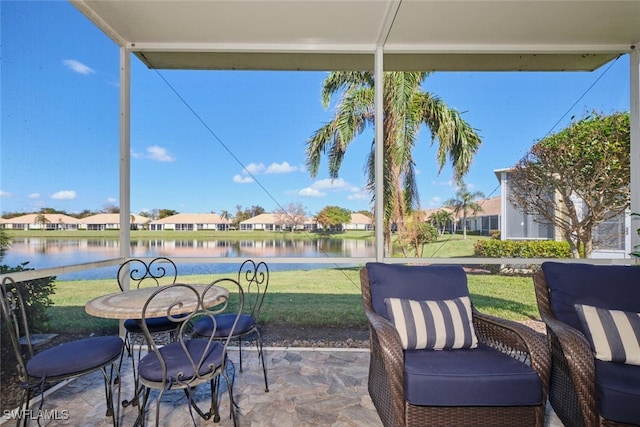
(46, 252)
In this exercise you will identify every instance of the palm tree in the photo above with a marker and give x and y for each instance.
(464, 202)
(406, 108)
(440, 219)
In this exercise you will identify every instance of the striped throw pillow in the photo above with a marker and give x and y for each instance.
(614, 334)
(433, 325)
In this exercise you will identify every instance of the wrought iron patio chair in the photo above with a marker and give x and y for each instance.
(158, 271)
(440, 379)
(586, 390)
(55, 364)
(188, 362)
(254, 279)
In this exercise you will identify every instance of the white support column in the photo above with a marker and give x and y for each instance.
(504, 200)
(379, 152)
(634, 77)
(125, 151)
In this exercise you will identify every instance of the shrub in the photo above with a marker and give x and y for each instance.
(36, 295)
(520, 249)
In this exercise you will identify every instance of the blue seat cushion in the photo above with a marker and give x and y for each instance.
(75, 357)
(469, 377)
(612, 287)
(181, 365)
(155, 325)
(224, 322)
(618, 390)
(420, 283)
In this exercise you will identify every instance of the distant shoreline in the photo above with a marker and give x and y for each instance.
(202, 234)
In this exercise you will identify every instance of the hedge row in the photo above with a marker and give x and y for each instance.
(521, 249)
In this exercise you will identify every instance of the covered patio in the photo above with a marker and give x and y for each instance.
(352, 35)
(328, 387)
(310, 387)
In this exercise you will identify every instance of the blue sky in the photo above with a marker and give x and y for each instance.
(60, 135)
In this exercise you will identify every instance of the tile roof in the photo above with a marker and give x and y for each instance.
(189, 218)
(112, 218)
(51, 218)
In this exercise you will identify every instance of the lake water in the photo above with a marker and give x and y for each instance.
(55, 252)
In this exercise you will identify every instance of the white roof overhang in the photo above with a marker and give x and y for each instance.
(447, 35)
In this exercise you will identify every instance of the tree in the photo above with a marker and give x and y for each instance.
(332, 217)
(41, 219)
(52, 211)
(5, 243)
(406, 108)
(243, 215)
(82, 214)
(465, 202)
(440, 219)
(291, 217)
(110, 208)
(416, 234)
(164, 213)
(576, 178)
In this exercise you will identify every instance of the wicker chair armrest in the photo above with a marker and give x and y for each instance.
(571, 345)
(387, 338)
(386, 373)
(517, 340)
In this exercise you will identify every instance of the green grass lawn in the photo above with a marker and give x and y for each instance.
(329, 297)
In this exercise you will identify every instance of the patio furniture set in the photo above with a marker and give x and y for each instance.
(434, 359)
(437, 361)
(222, 312)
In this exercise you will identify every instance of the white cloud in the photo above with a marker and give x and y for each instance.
(311, 192)
(359, 195)
(254, 168)
(64, 195)
(322, 186)
(284, 167)
(5, 194)
(337, 184)
(272, 169)
(159, 154)
(111, 200)
(34, 196)
(78, 66)
(328, 183)
(435, 201)
(242, 179)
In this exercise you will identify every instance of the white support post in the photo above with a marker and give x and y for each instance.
(379, 153)
(504, 200)
(125, 152)
(634, 77)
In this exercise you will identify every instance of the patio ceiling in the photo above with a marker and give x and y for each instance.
(344, 34)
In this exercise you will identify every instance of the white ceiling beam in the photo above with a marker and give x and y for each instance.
(253, 47)
(507, 48)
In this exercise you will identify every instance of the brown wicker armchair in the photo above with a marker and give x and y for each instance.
(579, 392)
(390, 377)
